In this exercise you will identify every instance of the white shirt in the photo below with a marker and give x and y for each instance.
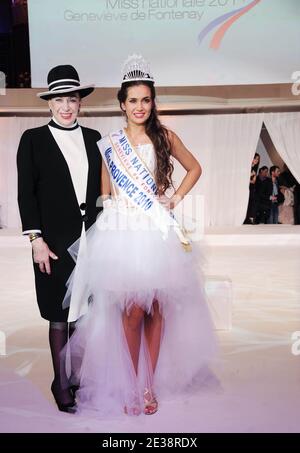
(72, 146)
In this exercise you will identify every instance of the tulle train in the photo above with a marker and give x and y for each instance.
(135, 266)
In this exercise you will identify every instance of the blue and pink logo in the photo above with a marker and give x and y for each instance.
(227, 20)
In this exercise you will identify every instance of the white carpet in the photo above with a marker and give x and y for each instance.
(258, 378)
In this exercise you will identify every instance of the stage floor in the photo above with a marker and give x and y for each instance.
(257, 387)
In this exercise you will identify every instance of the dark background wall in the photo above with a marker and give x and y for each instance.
(14, 43)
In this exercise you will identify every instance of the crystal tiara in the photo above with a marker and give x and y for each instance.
(136, 68)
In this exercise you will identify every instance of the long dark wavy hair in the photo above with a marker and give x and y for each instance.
(158, 135)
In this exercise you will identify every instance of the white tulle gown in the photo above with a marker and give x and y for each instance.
(129, 263)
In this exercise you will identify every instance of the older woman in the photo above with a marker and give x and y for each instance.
(58, 185)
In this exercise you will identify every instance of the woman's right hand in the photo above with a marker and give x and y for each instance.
(42, 255)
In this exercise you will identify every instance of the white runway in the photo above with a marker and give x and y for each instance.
(257, 385)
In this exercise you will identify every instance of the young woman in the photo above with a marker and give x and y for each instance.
(146, 332)
(252, 202)
(255, 163)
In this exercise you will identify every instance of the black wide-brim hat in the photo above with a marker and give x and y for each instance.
(64, 79)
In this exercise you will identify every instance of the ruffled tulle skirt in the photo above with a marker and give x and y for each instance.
(130, 264)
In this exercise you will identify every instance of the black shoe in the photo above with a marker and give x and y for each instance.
(70, 407)
(73, 389)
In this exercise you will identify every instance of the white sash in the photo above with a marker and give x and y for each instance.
(135, 182)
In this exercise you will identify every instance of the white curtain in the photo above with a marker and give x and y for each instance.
(224, 145)
(195, 132)
(233, 145)
(11, 130)
(284, 130)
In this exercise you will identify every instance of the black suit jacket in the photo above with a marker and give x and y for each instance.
(264, 190)
(47, 201)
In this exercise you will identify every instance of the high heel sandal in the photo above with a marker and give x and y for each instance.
(70, 407)
(135, 406)
(150, 402)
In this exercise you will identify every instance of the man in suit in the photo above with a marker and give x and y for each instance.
(59, 168)
(268, 195)
(262, 196)
(276, 196)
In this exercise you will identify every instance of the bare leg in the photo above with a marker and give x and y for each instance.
(132, 324)
(153, 327)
